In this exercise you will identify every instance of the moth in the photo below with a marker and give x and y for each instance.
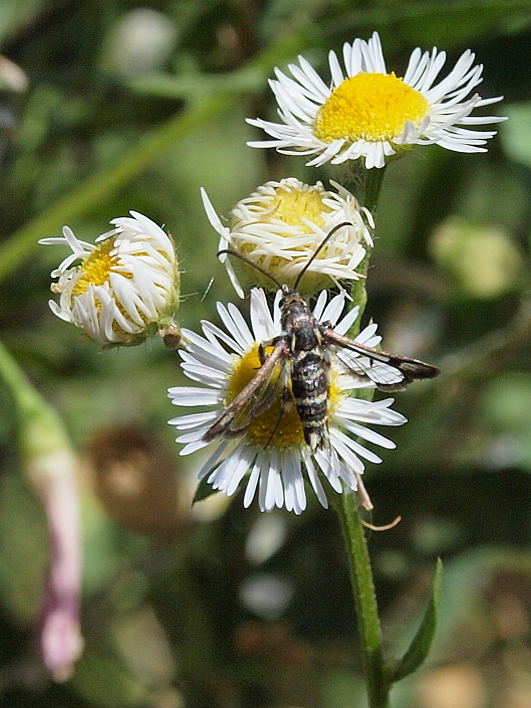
(295, 365)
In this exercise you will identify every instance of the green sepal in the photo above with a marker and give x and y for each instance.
(204, 490)
(420, 646)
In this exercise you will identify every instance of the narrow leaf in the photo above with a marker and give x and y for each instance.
(204, 490)
(420, 646)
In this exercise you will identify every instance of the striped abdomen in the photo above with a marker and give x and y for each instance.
(310, 385)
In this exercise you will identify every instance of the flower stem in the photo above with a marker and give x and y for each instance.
(369, 627)
(347, 507)
(373, 185)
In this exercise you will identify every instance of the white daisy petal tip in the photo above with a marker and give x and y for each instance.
(278, 231)
(125, 286)
(367, 113)
(271, 452)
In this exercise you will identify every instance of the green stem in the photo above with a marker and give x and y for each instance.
(358, 292)
(103, 183)
(373, 185)
(41, 429)
(369, 627)
(26, 397)
(370, 631)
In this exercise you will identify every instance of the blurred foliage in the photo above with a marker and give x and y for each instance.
(109, 105)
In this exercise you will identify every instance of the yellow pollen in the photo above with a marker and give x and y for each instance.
(275, 427)
(292, 205)
(279, 426)
(288, 206)
(371, 107)
(96, 267)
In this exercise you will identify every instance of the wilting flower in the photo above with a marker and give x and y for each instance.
(280, 227)
(272, 448)
(371, 114)
(126, 286)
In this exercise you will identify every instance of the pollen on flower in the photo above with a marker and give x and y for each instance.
(278, 426)
(290, 206)
(124, 288)
(245, 369)
(367, 114)
(295, 206)
(96, 267)
(270, 456)
(371, 107)
(334, 393)
(282, 225)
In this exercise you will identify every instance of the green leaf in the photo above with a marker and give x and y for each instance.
(420, 646)
(204, 491)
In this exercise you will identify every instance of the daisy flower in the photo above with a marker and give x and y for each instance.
(370, 114)
(272, 448)
(281, 225)
(126, 285)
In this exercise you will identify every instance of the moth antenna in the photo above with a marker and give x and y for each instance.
(249, 262)
(319, 249)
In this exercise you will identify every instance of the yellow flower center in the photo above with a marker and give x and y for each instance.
(293, 205)
(279, 426)
(371, 107)
(96, 267)
(290, 206)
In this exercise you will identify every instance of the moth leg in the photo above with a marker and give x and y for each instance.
(263, 346)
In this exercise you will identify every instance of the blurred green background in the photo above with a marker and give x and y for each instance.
(107, 106)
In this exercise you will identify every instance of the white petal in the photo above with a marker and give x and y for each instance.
(212, 460)
(254, 478)
(346, 322)
(334, 309)
(294, 494)
(193, 420)
(262, 323)
(320, 305)
(193, 396)
(192, 447)
(314, 478)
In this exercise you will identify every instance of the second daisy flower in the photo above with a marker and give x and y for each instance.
(367, 113)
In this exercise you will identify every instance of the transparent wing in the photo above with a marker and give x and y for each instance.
(255, 398)
(389, 372)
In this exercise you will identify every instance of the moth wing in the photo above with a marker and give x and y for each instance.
(389, 372)
(253, 399)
